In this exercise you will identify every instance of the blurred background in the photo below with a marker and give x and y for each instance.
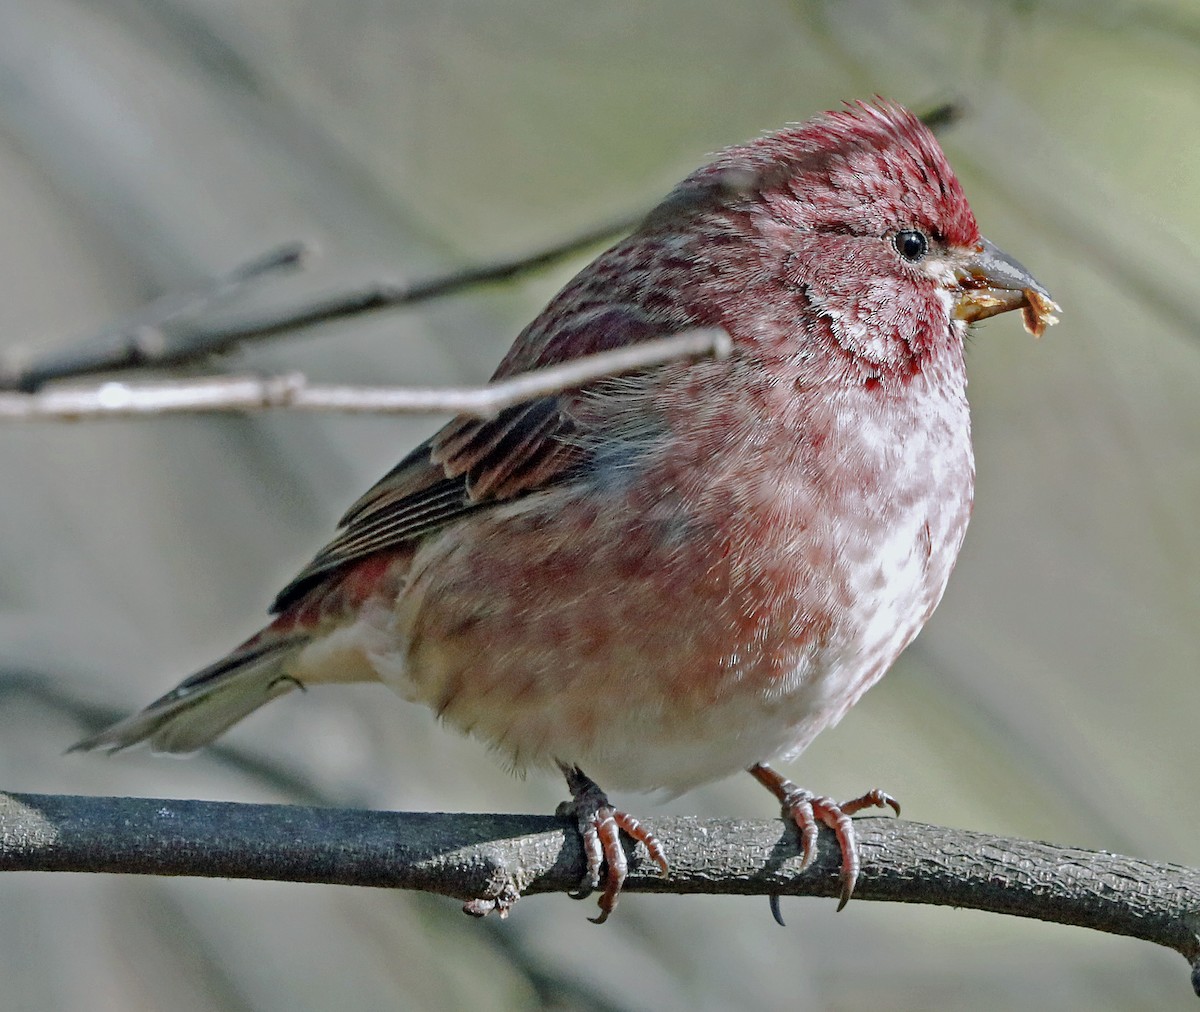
(146, 145)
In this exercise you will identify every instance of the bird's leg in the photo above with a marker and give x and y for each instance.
(808, 810)
(600, 826)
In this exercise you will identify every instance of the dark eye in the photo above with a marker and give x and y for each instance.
(911, 244)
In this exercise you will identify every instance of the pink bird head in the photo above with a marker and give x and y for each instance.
(860, 170)
(857, 216)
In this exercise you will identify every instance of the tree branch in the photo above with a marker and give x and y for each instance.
(117, 399)
(489, 861)
(159, 336)
(142, 339)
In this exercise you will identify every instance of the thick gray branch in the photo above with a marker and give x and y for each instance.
(491, 860)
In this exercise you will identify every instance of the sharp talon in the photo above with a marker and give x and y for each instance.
(848, 885)
(600, 827)
(775, 910)
(807, 811)
(872, 799)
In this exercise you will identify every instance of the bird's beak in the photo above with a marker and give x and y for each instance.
(991, 282)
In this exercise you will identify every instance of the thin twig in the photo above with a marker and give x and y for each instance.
(158, 336)
(118, 399)
(166, 334)
(491, 860)
(140, 339)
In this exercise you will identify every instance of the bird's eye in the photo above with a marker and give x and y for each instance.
(911, 244)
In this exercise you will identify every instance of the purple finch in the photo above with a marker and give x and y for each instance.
(666, 577)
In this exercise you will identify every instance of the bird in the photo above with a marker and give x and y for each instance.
(662, 578)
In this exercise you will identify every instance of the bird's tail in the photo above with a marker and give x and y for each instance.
(202, 707)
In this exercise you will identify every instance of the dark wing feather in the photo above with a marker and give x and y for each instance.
(471, 463)
(463, 468)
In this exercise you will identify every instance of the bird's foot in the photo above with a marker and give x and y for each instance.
(809, 811)
(600, 826)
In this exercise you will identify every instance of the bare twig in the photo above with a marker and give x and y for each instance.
(158, 336)
(256, 393)
(165, 333)
(140, 339)
(489, 861)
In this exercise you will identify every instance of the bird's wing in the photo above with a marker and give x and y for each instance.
(471, 464)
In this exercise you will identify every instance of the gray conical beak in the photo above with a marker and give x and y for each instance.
(991, 282)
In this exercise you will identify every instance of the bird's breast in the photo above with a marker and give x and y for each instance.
(719, 587)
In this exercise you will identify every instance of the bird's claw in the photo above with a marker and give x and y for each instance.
(809, 811)
(600, 826)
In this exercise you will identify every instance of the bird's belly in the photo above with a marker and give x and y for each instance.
(652, 649)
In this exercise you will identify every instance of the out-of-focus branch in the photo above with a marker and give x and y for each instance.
(165, 333)
(256, 393)
(489, 861)
(142, 339)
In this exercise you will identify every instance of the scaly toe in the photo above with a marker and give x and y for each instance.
(808, 811)
(872, 799)
(608, 832)
(600, 827)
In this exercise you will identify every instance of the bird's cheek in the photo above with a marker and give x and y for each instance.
(886, 323)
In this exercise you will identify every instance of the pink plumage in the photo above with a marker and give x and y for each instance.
(671, 576)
